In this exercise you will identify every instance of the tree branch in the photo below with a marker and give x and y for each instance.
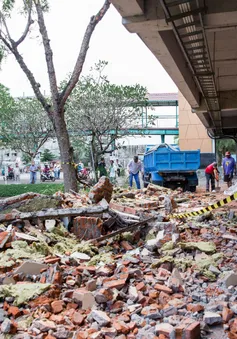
(82, 54)
(31, 78)
(27, 28)
(6, 28)
(48, 54)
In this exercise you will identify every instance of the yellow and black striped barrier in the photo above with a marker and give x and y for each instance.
(209, 208)
(70, 163)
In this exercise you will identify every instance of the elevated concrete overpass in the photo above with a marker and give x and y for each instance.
(196, 43)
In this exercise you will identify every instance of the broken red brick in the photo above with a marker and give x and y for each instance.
(52, 260)
(90, 269)
(72, 305)
(121, 327)
(141, 286)
(4, 236)
(49, 336)
(188, 328)
(58, 319)
(195, 308)
(118, 284)
(57, 306)
(163, 288)
(87, 228)
(163, 298)
(14, 311)
(153, 294)
(126, 245)
(227, 314)
(78, 318)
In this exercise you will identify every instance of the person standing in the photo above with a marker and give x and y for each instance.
(55, 169)
(134, 167)
(211, 172)
(112, 172)
(118, 167)
(228, 165)
(59, 169)
(33, 170)
(102, 168)
(17, 173)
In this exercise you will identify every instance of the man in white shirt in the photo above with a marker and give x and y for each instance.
(134, 167)
(17, 173)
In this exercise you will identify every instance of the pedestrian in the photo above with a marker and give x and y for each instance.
(59, 170)
(112, 172)
(55, 170)
(134, 167)
(17, 173)
(33, 170)
(102, 168)
(211, 173)
(229, 166)
(118, 167)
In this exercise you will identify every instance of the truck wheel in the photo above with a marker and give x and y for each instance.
(192, 188)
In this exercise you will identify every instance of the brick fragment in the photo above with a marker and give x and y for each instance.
(78, 318)
(126, 245)
(87, 227)
(227, 314)
(165, 329)
(163, 288)
(14, 311)
(195, 308)
(141, 286)
(118, 284)
(188, 329)
(57, 306)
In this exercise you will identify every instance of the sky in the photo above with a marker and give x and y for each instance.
(130, 61)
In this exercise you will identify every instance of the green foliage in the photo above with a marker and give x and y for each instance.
(102, 109)
(224, 145)
(6, 100)
(25, 125)
(26, 158)
(7, 6)
(47, 156)
(12, 190)
(81, 150)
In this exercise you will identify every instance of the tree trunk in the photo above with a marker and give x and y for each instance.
(66, 153)
(94, 158)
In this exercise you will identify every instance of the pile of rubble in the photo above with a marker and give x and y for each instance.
(112, 265)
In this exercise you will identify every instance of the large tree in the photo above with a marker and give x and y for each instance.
(24, 125)
(55, 105)
(104, 111)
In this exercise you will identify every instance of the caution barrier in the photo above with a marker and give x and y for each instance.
(209, 208)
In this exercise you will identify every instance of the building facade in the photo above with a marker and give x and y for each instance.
(193, 134)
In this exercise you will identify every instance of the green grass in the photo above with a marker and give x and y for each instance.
(12, 190)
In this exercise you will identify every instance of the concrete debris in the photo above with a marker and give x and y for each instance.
(161, 279)
(31, 268)
(211, 318)
(231, 280)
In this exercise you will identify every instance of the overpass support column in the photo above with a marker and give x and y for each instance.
(162, 138)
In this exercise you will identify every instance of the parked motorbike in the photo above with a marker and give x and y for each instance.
(47, 176)
(10, 175)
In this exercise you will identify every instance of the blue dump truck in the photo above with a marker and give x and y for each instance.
(167, 166)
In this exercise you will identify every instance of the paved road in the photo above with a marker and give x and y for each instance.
(25, 179)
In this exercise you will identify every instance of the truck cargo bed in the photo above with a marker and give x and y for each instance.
(164, 158)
